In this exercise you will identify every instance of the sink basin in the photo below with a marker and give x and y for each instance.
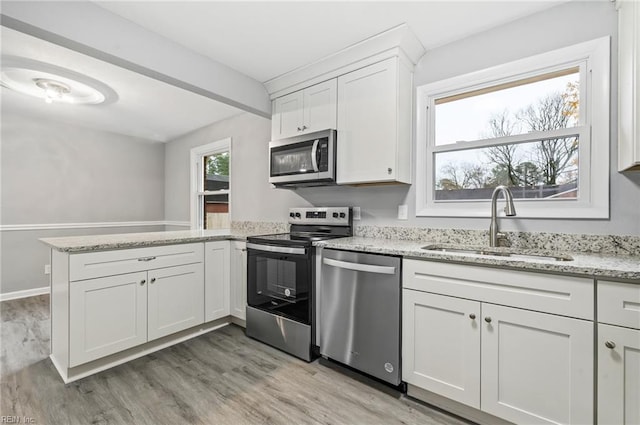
(498, 253)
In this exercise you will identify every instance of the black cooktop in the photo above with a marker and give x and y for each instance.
(293, 238)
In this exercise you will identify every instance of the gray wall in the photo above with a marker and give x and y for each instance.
(252, 197)
(561, 26)
(55, 173)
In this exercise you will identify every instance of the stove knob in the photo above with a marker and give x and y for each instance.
(298, 215)
(342, 215)
(335, 215)
(292, 215)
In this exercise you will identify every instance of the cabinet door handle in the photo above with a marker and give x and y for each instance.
(146, 258)
(304, 127)
(299, 129)
(610, 344)
(153, 280)
(142, 282)
(472, 316)
(487, 319)
(389, 170)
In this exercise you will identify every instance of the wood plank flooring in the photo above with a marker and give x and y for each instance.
(219, 378)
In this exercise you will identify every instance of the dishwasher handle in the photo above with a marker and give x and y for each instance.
(359, 266)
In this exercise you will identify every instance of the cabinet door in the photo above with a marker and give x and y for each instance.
(107, 315)
(175, 299)
(367, 124)
(320, 105)
(629, 78)
(216, 287)
(536, 367)
(441, 345)
(287, 115)
(618, 375)
(239, 280)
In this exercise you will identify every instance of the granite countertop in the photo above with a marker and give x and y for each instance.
(600, 266)
(604, 266)
(139, 240)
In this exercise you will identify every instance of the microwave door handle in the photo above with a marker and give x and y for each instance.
(314, 154)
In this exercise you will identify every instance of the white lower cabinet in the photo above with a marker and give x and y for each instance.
(536, 367)
(111, 314)
(519, 365)
(441, 345)
(216, 287)
(618, 353)
(239, 279)
(107, 315)
(618, 375)
(174, 299)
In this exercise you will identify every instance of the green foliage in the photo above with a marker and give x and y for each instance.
(218, 164)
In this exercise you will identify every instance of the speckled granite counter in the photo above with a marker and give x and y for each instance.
(139, 240)
(600, 266)
(604, 266)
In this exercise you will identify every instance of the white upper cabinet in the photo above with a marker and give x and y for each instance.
(304, 111)
(628, 85)
(374, 124)
(370, 106)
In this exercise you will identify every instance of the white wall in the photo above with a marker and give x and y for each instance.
(54, 173)
(252, 197)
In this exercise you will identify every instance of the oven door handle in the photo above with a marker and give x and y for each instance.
(314, 154)
(359, 266)
(277, 249)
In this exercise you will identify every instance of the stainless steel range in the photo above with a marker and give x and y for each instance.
(281, 279)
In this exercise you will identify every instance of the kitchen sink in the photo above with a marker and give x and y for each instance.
(516, 255)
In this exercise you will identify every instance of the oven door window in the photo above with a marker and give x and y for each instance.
(279, 283)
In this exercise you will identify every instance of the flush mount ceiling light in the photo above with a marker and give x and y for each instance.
(53, 84)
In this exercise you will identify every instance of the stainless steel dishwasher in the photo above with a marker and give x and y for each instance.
(360, 312)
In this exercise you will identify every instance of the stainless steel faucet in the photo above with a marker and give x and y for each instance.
(509, 209)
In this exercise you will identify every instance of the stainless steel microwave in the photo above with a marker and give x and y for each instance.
(306, 160)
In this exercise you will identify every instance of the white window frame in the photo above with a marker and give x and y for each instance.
(593, 57)
(197, 184)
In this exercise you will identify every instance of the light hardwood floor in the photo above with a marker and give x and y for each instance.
(219, 378)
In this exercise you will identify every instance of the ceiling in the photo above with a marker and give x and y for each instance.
(145, 108)
(266, 39)
(260, 39)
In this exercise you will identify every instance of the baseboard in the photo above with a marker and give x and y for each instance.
(24, 294)
(178, 223)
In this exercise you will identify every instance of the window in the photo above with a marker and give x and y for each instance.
(539, 125)
(210, 165)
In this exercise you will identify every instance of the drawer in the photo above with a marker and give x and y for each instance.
(90, 265)
(556, 294)
(619, 304)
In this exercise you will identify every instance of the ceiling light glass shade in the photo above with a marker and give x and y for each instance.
(52, 83)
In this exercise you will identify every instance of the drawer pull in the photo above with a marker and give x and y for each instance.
(472, 316)
(487, 319)
(610, 344)
(142, 282)
(146, 258)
